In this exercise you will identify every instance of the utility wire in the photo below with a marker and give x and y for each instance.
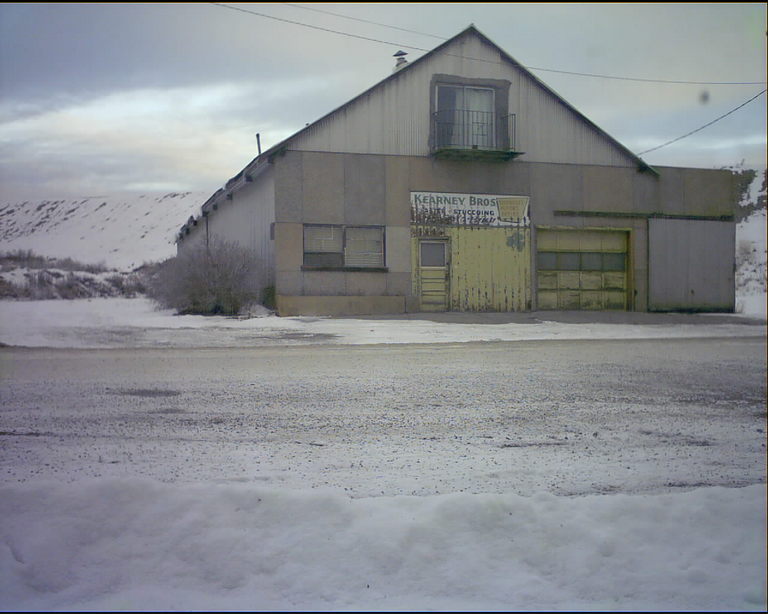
(306, 25)
(702, 127)
(234, 8)
(563, 72)
(375, 23)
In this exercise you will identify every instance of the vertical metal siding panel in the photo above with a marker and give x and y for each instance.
(394, 118)
(551, 132)
(246, 220)
(691, 264)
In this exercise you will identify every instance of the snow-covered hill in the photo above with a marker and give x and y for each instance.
(119, 231)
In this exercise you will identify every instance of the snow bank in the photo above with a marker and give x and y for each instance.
(753, 305)
(751, 265)
(115, 322)
(143, 545)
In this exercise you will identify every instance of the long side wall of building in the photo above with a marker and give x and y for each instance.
(245, 217)
(358, 190)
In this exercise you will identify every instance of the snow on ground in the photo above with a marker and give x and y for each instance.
(141, 545)
(132, 543)
(752, 305)
(106, 323)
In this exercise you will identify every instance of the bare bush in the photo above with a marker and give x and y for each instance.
(26, 258)
(223, 278)
(70, 287)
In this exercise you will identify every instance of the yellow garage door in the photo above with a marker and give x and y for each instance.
(582, 269)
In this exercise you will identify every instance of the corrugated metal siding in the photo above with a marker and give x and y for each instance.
(691, 264)
(394, 118)
(247, 220)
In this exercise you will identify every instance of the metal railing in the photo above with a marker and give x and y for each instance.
(460, 129)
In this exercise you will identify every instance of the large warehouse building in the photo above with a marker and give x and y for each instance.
(462, 183)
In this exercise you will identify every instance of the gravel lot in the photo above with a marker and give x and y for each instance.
(568, 417)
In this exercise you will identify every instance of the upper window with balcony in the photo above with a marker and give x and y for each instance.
(465, 117)
(471, 119)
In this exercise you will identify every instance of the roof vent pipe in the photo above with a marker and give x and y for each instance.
(401, 61)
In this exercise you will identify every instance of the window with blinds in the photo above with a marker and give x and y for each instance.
(344, 246)
(364, 247)
(324, 245)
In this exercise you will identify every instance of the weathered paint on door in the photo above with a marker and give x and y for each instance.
(582, 269)
(433, 276)
(487, 269)
(490, 268)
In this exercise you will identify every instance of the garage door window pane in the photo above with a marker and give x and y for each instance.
(591, 261)
(568, 261)
(614, 262)
(433, 254)
(546, 261)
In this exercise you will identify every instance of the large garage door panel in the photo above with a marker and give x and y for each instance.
(690, 265)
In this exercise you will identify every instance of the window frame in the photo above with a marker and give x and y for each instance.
(343, 266)
(500, 88)
(464, 127)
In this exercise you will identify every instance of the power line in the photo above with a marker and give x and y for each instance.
(702, 127)
(306, 25)
(553, 70)
(375, 23)
(234, 8)
(669, 81)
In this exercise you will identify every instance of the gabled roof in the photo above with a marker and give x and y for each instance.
(471, 30)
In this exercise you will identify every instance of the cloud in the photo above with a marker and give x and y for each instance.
(183, 136)
(117, 95)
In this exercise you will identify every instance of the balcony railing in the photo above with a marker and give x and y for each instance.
(455, 131)
(459, 129)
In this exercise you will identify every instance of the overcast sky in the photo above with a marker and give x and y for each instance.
(106, 98)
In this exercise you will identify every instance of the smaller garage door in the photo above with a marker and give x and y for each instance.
(582, 269)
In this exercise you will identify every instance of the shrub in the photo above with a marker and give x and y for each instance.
(268, 297)
(127, 284)
(28, 259)
(220, 279)
(71, 287)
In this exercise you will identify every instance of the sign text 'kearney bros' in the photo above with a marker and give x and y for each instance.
(469, 209)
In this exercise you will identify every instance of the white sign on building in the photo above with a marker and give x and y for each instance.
(469, 209)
